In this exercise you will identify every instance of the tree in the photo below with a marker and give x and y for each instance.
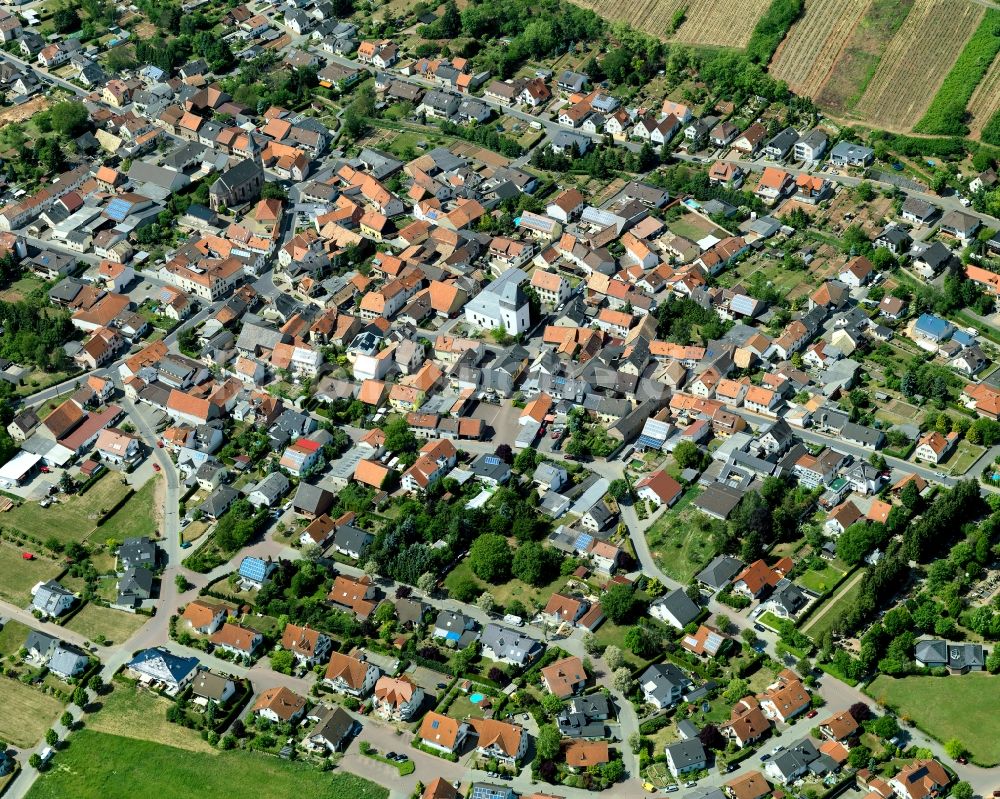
(69, 117)
(181, 582)
(622, 681)
(886, 727)
(96, 684)
(736, 690)
(490, 558)
(273, 191)
(955, 748)
(687, 455)
(51, 737)
(618, 602)
(723, 622)
(591, 644)
(548, 742)
(860, 712)
(613, 771)
(635, 743)
(619, 489)
(711, 738)
(282, 661)
(66, 719)
(533, 563)
(962, 790)
(526, 460)
(553, 704)
(614, 657)
(464, 589)
(79, 697)
(427, 582)
(485, 602)
(749, 636)
(35, 761)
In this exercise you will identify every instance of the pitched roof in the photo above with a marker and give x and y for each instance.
(583, 754)
(439, 729)
(281, 701)
(200, 613)
(348, 669)
(564, 676)
(506, 737)
(395, 691)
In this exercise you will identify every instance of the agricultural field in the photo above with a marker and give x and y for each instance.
(947, 112)
(814, 43)
(27, 713)
(859, 57)
(706, 22)
(963, 707)
(985, 101)
(115, 625)
(18, 576)
(96, 764)
(938, 29)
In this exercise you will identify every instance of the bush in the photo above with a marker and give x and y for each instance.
(771, 28)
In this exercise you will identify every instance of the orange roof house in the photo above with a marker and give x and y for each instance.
(565, 677)
(371, 473)
(280, 704)
(442, 732)
(584, 754)
(355, 594)
(751, 785)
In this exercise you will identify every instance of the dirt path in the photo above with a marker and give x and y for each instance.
(833, 601)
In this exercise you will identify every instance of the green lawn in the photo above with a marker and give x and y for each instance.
(964, 707)
(72, 518)
(681, 540)
(12, 637)
(107, 766)
(115, 625)
(821, 581)
(18, 576)
(529, 595)
(826, 615)
(137, 517)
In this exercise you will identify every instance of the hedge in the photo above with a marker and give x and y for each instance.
(772, 28)
(116, 507)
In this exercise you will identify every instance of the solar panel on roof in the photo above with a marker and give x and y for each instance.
(584, 541)
(492, 460)
(118, 209)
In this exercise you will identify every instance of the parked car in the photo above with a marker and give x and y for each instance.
(690, 784)
(764, 757)
(156, 467)
(760, 628)
(812, 714)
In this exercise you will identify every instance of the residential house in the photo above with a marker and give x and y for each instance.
(349, 675)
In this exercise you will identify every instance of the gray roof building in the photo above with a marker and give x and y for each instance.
(509, 646)
(720, 571)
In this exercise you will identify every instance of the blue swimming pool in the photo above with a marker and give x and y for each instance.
(476, 698)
